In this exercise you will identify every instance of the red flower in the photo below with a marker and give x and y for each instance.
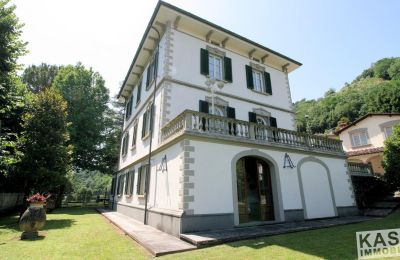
(37, 198)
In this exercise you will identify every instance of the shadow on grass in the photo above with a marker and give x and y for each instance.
(50, 224)
(75, 211)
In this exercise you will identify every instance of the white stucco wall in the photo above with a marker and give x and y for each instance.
(164, 186)
(375, 132)
(213, 178)
(318, 199)
(186, 66)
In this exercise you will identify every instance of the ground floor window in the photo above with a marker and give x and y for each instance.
(142, 176)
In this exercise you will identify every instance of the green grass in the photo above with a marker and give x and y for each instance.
(330, 243)
(81, 233)
(69, 233)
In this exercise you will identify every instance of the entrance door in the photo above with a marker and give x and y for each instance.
(254, 190)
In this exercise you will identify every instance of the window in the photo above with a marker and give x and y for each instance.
(128, 109)
(151, 70)
(215, 66)
(139, 91)
(359, 138)
(147, 123)
(388, 131)
(129, 182)
(258, 80)
(121, 179)
(113, 186)
(135, 126)
(125, 142)
(141, 182)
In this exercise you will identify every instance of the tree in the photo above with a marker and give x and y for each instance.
(39, 77)
(12, 91)
(87, 99)
(114, 120)
(391, 158)
(46, 154)
(381, 68)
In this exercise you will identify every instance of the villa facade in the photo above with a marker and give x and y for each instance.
(225, 152)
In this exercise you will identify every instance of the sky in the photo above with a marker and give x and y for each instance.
(334, 40)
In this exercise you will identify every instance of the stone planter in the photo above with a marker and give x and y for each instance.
(32, 220)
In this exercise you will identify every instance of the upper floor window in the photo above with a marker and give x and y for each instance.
(139, 91)
(359, 138)
(214, 64)
(128, 109)
(124, 146)
(134, 135)
(258, 80)
(388, 131)
(152, 70)
(147, 123)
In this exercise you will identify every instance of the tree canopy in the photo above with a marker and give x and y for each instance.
(11, 89)
(87, 98)
(39, 77)
(376, 89)
(46, 154)
(391, 158)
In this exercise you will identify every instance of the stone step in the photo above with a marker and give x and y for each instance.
(386, 204)
(373, 212)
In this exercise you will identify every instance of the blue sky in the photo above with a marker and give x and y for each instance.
(335, 40)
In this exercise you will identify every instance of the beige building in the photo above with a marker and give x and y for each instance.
(363, 140)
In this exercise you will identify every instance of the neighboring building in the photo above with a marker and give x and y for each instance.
(225, 151)
(363, 140)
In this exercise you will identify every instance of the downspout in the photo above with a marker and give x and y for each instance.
(147, 176)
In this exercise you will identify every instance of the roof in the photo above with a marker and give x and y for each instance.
(365, 151)
(294, 64)
(364, 117)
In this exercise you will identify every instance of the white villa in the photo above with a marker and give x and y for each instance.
(224, 152)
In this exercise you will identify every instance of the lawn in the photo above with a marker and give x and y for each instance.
(81, 233)
(69, 233)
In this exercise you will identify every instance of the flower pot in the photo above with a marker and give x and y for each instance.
(32, 220)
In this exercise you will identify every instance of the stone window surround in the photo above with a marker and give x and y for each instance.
(215, 51)
(359, 130)
(218, 102)
(135, 124)
(148, 109)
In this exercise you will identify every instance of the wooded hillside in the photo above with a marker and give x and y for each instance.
(377, 89)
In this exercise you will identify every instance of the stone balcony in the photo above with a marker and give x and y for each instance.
(212, 126)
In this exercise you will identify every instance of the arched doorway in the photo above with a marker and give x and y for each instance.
(254, 190)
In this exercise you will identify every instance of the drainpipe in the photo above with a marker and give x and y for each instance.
(147, 176)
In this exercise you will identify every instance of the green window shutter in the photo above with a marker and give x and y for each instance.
(126, 183)
(132, 181)
(151, 117)
(148, 79)
(139, 90)
(252, 117)
(203, 106)
(249, 77)
(228, 69)
(204, 62)
(268, 86)
(139, 177)
(144, 124)
(272, 122)
(230, 112)
(155, 62)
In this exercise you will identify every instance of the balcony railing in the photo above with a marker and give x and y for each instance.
(360, 169)
(207, 124)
